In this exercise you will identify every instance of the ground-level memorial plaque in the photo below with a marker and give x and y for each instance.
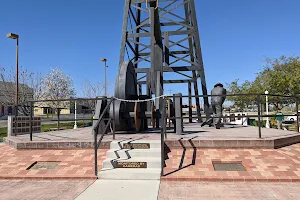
(43, 165)
(131, 165)
(136, 146)
(229, 166)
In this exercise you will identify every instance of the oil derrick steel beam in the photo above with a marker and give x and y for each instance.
(192, 57)
(124, 31)
(162, 41)
(156, 55)
(156, 52)
(137, 22)
(198, 53)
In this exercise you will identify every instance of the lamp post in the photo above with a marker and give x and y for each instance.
(104, 60)
(16, 37)
(267, 109)
(75, 113)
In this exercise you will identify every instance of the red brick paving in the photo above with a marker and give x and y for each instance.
(74, 164)
(273, 165)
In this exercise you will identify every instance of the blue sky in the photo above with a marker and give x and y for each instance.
(235, 36)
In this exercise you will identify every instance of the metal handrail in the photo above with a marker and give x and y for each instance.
(259, 116)
(95, 130)
(103, 113)
(70, 99)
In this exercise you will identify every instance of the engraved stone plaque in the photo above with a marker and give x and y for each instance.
(136, 146)
(131, 165)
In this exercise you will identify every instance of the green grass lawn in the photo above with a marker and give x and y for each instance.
(47, 127)
(68, 125)
(3, 132)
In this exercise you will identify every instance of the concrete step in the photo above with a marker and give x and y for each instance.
(133, 153)
(119, 144)
(151, 162)
(129, 174)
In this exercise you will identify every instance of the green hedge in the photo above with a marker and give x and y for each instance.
(273, 124)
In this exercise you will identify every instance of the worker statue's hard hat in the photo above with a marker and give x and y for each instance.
(219, 84)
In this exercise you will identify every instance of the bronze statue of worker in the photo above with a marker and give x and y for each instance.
(217, 103)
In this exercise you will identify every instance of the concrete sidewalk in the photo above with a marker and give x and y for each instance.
(121, 189)
(42, 190)
(228, 191)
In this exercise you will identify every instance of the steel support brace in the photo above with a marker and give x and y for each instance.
(178, 114)
(190, 102)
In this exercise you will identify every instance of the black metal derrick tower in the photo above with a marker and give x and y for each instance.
(161, 37)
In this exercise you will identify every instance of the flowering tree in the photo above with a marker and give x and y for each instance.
(57, 86)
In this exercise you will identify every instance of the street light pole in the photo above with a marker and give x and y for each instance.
(104, 60)
(75, 113)
(16, 37)
(267, 109)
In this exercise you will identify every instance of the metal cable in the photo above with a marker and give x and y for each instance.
(145, 100)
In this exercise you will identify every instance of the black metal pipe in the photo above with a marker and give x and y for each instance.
(103, 133)
(95, 129)
(114, 121)
(58, 120)
(104, 112)
(245, 116)
(16, 121)
(297, 105)
(163, 128)
(73, 119)
(96, 153)
(258, 110)
(236, 95)
(190, 102)
(76, 99)
(174, 122)
(31, 116)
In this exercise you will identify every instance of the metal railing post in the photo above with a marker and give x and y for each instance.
(297, 105)
(258, 110)
(174, 121)
(31, 117)
(165, 120)
(58, 122)
(114, 121)
(16, 121)
(163, 129)
(96, 152)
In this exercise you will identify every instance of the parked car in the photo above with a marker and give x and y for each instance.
(292, 118)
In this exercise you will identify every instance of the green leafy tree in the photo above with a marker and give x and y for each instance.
(280, 76)
(241, 102)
